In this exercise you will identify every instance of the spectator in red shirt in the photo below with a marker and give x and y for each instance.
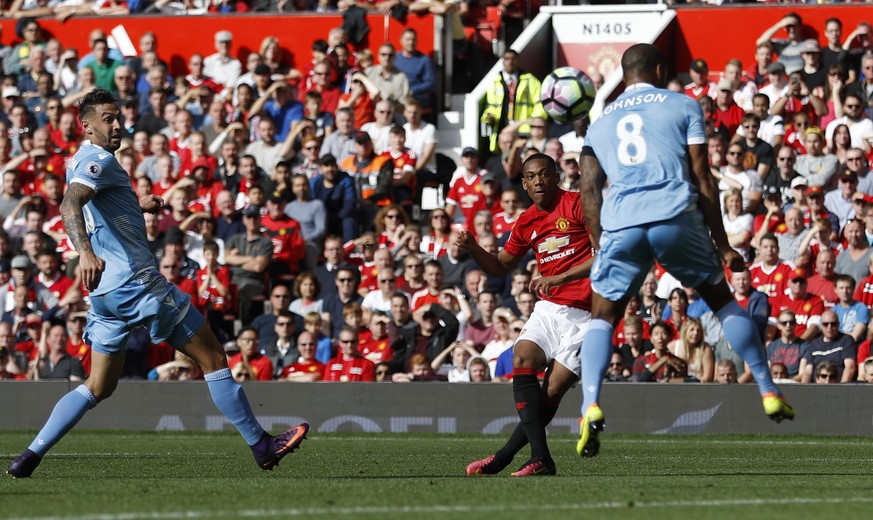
(728, 114)
(864, 290)
(700, 85)
(213, 284)
(504, 220)
(404, 161)
(361, 98)
(60, 285)
(376, 345)
(284, 232)
(307, 368)
(76, 345)
(822, 283)
(349, 365)
(249, 353)
(465, 189)
(807, 309)
(769, 274)
(320, 82)
(170, 266)
(433, 278)
(798, 99)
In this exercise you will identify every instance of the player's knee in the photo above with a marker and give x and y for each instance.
(526, 354)
(101, 392)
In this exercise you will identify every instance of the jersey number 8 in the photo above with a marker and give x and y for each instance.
(631, 146)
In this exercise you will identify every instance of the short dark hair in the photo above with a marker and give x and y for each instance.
(770, 236)
(98, 96)
(766, 98)
(542, 157)
(641, 58)
(211, 245)
(845, 278)
(661, 325)
(249, 329)
(320, 46)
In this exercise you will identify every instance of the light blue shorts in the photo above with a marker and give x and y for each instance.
(148, 301)
(681, 245)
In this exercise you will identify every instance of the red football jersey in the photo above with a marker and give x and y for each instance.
(618, 333)
(376, 350)
(262, 367)
(288, 244)
(466, 194)
(864, 291)
(355, 369)
(404, 161)
(502, 223)
(423, 297)
(804, 310)
(59, 286)
(82, 352)
(824, 289)
(304, 367)
(368, 276)
(210, 299)
(559, 240)
(772, 281)
(698, 91)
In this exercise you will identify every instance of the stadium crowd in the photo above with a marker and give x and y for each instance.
(305, 212)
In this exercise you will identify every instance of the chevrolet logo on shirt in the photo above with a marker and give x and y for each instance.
(553, 244)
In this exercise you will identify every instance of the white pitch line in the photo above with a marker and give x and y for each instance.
(446, 508)
(379, 438)
(682, 440)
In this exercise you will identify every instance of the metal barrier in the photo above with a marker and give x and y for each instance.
(450, 408)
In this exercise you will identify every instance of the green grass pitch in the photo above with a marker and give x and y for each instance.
(128, 476)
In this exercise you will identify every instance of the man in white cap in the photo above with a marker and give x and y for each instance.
(221, 66)
(11, 95)
(814, 75)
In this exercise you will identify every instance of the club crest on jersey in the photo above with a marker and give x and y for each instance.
(93, 169)
(562, 224)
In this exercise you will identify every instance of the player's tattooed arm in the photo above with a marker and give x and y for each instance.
(592, 179)
(90, 266)
(75, 198)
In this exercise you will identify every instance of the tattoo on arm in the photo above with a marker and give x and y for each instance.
(75, 198)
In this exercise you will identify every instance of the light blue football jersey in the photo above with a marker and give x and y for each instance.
(113, 217)
(640, 140)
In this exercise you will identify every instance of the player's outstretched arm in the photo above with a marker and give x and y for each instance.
(708, 203)
(90, 266)
(544, 284)
(500, 264)
(592, 179)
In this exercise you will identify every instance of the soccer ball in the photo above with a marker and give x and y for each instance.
(567, 94)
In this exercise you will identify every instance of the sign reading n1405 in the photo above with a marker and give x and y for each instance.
(606, 28)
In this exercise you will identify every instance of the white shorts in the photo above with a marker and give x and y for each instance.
(559, 331)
